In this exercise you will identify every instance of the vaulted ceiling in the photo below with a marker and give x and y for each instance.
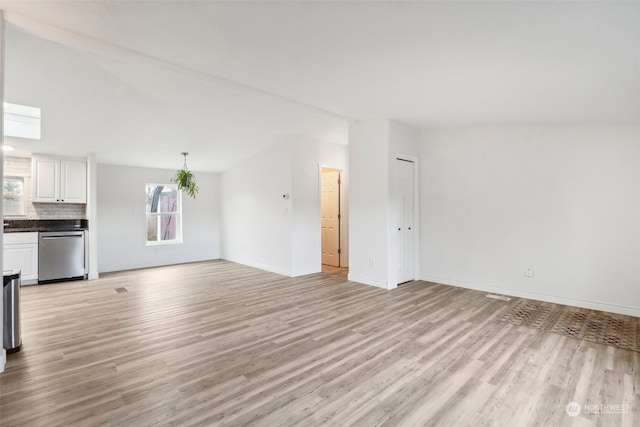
(139, 82)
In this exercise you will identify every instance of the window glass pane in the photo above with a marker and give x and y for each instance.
(12, 206)
(162, 199)
(167, 227)
(13, 187)
(161, 228)
(12, 190)
(152, 229)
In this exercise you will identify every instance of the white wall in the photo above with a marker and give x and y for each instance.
(92, 216)
(564, 201)
(3, 356)
(305, 196)
(369, 202)
(262, 229)
(122, 224)
(374, 146)
(255, 219)
(404, 143)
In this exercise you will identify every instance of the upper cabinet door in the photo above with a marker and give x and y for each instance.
(46, 180)
(73, 181)
(59, 181)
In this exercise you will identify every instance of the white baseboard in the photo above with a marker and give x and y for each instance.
(138, 266)
(611, 308)
(306, 273)
(260, 266)
(367, 281)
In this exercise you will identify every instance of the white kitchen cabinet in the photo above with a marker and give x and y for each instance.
(59, 180)
(21, 253)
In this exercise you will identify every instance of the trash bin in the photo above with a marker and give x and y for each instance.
(12, 340)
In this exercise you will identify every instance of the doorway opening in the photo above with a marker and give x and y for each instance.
(331, 208)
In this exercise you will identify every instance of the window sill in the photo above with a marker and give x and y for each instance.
(164, 243)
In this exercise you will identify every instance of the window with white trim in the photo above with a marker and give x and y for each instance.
(164, 214)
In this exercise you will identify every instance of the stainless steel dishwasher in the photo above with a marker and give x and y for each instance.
(61, 256)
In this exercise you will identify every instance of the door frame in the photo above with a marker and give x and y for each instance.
(344, 232)
(393, 248)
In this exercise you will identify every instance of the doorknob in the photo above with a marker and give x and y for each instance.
(409, 228)
(399, 228)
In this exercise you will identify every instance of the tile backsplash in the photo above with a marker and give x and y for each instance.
(21, 167)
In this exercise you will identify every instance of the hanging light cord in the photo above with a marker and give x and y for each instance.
(185, 154)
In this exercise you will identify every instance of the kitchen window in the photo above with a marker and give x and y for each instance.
(164, 214)
(13, 196)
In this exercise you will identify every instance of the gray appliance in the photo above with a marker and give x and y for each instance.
(12, 340)
(61, 256)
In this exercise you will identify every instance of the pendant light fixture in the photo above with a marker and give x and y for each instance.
(185, 179)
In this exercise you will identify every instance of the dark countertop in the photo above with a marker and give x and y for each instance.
(31, 225)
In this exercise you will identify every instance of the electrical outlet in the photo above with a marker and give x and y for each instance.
(528, 272)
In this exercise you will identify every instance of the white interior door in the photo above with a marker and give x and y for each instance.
(405, 217)
(330, 208)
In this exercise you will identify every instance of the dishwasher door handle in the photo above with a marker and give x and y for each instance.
(61, 237)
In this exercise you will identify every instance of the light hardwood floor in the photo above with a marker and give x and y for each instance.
(218, 343)
(335, 271)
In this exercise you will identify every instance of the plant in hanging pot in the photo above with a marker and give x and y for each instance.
(186, 180)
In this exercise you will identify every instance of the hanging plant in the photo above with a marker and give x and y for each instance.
(186, 180)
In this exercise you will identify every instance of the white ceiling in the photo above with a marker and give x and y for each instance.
(139, 82)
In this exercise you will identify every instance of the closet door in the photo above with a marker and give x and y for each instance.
(405, 184)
